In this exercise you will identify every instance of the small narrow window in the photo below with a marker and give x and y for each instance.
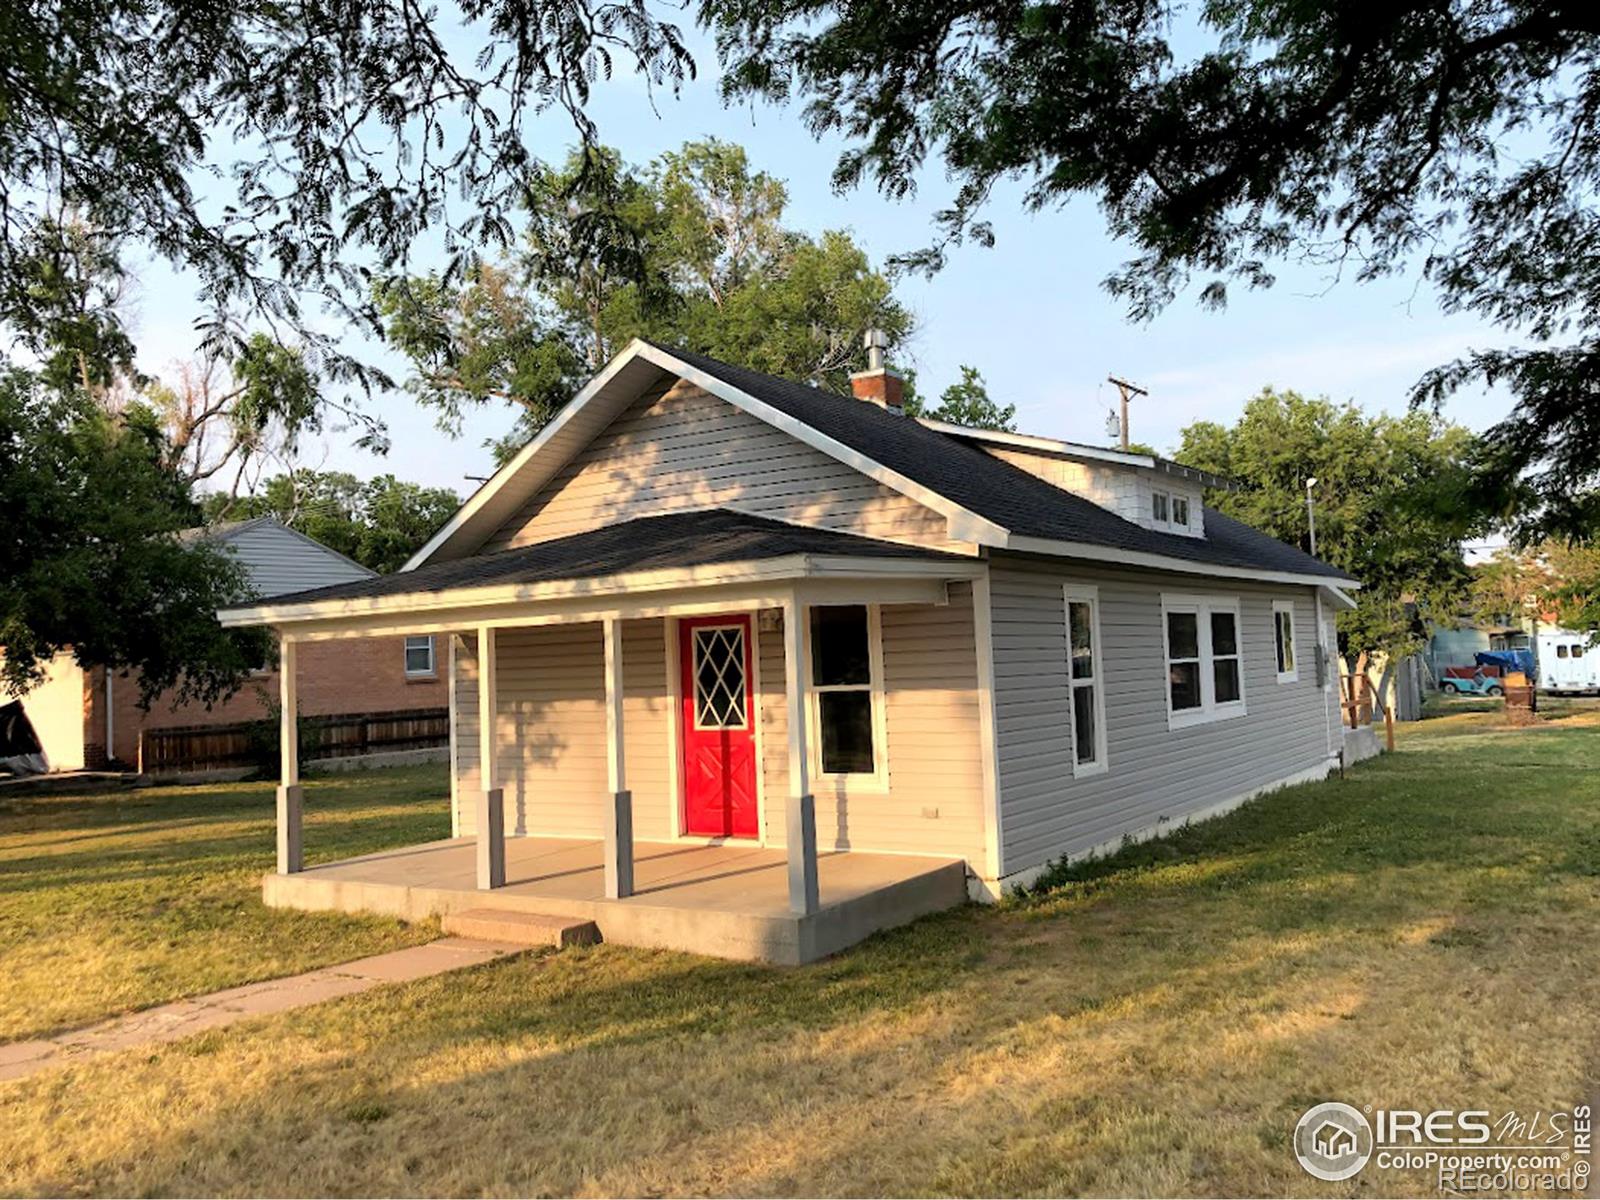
(1283, 630)
(1225, 657)
(1183, 660)
(1158, 507)
(842, 679)
(1180, 511)
(419, 656)
(1083, 673)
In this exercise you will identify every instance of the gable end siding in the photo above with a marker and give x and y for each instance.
(680, 448)
(279, 562)
(1157, 776)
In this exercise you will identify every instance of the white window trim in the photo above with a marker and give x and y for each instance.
(878, 781)
(1162, 493)
(432, 670)
(1087, 593)
(1209, 710)
(1292, 675)
(1172, 506)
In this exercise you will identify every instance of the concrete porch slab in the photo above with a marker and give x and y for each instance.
(728, 900)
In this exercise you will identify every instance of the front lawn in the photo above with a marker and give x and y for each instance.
(119, 900)
(1421, 935)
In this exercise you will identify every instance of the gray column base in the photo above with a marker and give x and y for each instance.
(291, 848)
(802, 837)
(491, 839)
(619, 846)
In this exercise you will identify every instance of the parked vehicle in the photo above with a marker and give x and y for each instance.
(1569, 663)
(1470, 681)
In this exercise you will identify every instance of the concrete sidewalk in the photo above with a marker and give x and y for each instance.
(180, 1019)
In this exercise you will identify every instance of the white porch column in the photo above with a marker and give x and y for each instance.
(619, 809)
(801, 811)
(291, 800)
(491, 800)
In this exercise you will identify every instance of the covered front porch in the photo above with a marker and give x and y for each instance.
(729, 900)
(651, 749)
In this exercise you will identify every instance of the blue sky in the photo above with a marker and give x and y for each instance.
(1029, 313)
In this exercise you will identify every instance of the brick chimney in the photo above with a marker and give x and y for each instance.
(878, 384)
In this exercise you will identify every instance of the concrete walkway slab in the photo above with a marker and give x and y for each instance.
(183, 1018)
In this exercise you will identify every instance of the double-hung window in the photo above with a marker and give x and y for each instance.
(847, 693)
(1205, 667)
(419, 657)
(1160, 507)
(1084, 678)
(1283, 636)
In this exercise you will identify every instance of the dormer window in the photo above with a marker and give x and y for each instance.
(1160, 504)
(1180, 511)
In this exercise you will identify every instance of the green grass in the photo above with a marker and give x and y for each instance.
(121, 900)
(1418, 935)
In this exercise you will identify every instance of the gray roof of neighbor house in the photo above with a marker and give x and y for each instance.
(1024, 504)
(701, 538)
(278, 559)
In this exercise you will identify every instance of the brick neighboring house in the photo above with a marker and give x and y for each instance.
(69, 711)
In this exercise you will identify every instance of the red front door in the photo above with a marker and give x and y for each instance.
(719, 744)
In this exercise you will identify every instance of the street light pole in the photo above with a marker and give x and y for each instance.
(1311, 514)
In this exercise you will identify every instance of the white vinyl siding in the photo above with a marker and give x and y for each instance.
(1157, 775)
(933, 801)
(681, 448)
(551, 729)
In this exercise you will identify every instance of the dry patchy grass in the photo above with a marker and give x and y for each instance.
(1421, 934)
(111, 901)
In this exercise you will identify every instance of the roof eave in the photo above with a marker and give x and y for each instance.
(779, 568)
(1166, 562)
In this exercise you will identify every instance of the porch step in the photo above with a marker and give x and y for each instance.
(521, 928)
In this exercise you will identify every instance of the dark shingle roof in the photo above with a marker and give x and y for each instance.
(689, 539)
(1007, 495)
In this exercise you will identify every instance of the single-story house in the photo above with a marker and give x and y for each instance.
(714, 629)
(91, 717)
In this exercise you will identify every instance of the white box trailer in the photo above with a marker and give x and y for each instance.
(1568, 662)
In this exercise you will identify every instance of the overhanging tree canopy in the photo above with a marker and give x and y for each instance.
(1460, 138)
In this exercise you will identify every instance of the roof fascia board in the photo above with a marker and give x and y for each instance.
(1341, 599)
(475, 503)
(785, 567)
(1077, 450)
(1030, 441)
(965, 525)
(1165, 562)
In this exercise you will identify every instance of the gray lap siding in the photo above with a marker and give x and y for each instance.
(1156, 775)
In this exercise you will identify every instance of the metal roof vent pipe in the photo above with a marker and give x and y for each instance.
(879, 384)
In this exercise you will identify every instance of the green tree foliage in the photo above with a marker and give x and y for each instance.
(380, 522)
(690, 251)
(1388, 503)
(966, 403)
(1458, 139)
(1555, 579)
(281, 153)
(90, 561)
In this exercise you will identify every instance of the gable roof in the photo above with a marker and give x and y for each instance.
(987, 500)
(278, 559)
(675, 541)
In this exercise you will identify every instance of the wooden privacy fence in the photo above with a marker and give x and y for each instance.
(255, 743)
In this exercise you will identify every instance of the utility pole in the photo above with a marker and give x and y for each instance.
(1127, 389)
